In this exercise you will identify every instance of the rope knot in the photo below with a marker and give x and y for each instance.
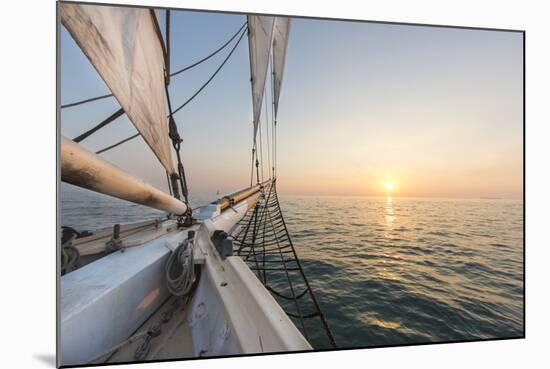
(173, 131)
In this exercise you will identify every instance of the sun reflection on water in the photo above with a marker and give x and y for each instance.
(389, 212)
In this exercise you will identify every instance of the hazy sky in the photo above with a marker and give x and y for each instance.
(438, 111)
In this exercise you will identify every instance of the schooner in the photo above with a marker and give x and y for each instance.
(221, 279)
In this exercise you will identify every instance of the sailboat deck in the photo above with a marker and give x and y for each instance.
(174, 342)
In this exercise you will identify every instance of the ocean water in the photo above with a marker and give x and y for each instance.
(402, 270)
(387, 270)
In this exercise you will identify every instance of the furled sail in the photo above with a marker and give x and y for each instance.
(125, 47)
(280, 42)
(260, 38)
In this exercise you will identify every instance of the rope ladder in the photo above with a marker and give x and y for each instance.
(262, 240)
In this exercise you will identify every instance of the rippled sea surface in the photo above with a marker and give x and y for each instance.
(388, 271)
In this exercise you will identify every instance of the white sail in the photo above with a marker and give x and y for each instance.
(260, 38)
(124, 46)
(280, 43)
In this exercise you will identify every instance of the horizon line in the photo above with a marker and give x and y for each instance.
(407, 196)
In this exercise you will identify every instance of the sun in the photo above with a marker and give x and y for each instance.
(389, 186)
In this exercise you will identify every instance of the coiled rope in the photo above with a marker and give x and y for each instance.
(69, 258)
(180, 277)
(180, 268)
(69, 254)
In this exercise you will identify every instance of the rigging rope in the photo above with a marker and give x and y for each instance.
(174, 135)
(117, 144)
(102, 124)
(261, 153)
(76, 103)
(176, 143)
(273, 122)
(213, 75)
(210, 55)
(267, 134)
(252, 166)
(167, 51)
(188, 100)
(263, 241)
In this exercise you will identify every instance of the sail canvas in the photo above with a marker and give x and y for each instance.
(280, 43)
(260, 38)
(124, 46)
(371, 212)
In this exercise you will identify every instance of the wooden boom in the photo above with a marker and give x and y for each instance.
(86, 169)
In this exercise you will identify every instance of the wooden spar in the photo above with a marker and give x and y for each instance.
(226, 201)
(85, 169)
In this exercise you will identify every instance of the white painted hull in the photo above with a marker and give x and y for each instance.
(105, 302)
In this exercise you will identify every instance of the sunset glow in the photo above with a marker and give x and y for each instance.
(389, 186)
(427, 131)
